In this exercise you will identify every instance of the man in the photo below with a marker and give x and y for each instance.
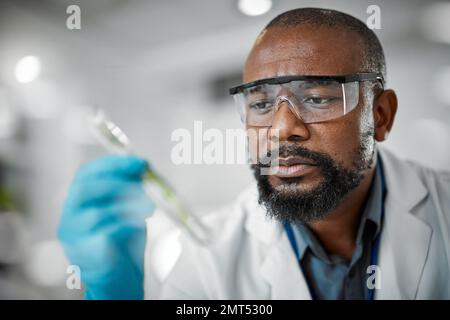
(339, 218)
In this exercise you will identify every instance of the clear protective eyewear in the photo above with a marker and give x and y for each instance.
(310, 98)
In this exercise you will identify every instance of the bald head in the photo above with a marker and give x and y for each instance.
(316, 41)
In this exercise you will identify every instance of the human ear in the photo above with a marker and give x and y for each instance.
(384, 110)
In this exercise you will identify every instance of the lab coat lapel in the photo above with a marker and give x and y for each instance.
(279, 265)
(281, 270)
(405, 239)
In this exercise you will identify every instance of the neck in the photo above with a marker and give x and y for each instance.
(337, 232)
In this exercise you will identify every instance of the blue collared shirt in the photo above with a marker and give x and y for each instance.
(333, 277)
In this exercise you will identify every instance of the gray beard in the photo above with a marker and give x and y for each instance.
(288, 204)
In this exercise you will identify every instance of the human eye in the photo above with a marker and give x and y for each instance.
(319, 101)
(260, 106)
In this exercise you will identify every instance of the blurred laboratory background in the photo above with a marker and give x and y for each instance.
(155, 66)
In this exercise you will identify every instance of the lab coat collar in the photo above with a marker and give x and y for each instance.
(279, 266)
(404, 242)
(405, 238)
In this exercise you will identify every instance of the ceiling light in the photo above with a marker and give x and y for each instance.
(254, 7)
(27, 69)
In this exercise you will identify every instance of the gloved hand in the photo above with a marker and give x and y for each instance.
(103, 229)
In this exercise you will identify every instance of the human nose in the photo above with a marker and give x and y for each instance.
(287, 124)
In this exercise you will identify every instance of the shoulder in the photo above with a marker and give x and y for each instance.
(437, 181)
(418, 186)
(232, 218)
(192, 271)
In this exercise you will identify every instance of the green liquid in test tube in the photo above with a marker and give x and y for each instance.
(165, 198)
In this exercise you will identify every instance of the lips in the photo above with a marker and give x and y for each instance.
(293, 167)
(295, 160)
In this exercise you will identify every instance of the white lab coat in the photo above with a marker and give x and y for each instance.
(251, 257)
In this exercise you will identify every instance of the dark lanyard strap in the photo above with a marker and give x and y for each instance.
(375, 244)
(373, 261)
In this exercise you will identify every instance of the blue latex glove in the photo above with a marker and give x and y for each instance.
(103, 229)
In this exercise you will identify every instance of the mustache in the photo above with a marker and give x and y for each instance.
(293, 150)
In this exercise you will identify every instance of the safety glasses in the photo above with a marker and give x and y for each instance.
(310, 98)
